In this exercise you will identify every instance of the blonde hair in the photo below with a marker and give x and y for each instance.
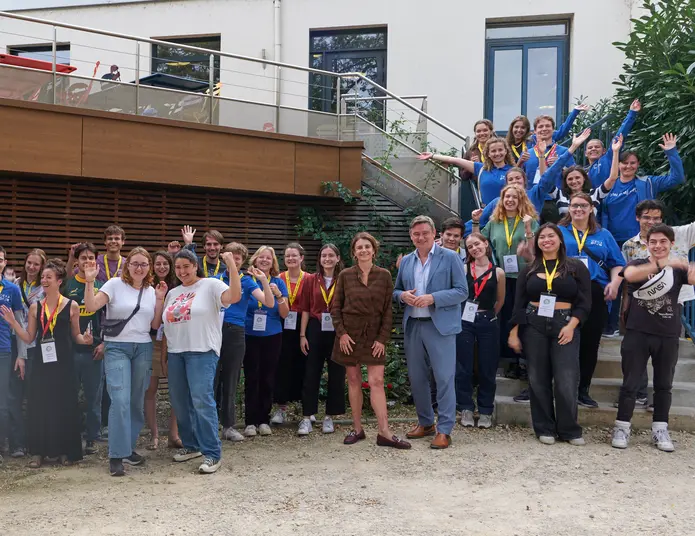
(125, 273)
(486, 153)
(275, 269)
(525, 205)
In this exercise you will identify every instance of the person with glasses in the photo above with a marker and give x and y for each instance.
(586, 241)
(127, 354)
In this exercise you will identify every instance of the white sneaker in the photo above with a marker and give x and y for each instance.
(328, 425)
(250, 431)
(209, 465)
(184, 455)
(304, 427)
(485, 421)
(279, 417)
(621, 435)
(264, 430)
(577, 442)
(232, 434)
(661, 437)
(546, 439)
(467, 418)
(312, 418)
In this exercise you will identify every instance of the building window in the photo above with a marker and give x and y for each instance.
(526, 71)
(343, 51)
(42, 52)
(186, 63)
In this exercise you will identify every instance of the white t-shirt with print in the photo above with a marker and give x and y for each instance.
(192, 317)
(122, 301)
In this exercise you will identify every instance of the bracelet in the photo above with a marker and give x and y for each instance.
(302, 336)
(280, 302)
(475, 222)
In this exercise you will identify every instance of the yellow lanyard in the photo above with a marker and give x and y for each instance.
(205, 267)
(260, 304)
(106, 266)
(549, 277)
(510, 237)
(293, 295)
(328, 298)
(523, 149)
(27, 291)
(52, 318)
(480, 150)
(549, 151)
(2, 287)
(580, 243)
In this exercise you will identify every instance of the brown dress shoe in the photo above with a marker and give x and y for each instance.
(421, 431)
(441, 441)
(395, 442)
(353, 437)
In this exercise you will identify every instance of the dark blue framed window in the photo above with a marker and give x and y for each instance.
(526, 72)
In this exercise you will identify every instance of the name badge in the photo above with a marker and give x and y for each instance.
(291, 320)
(585, 260)
(537, 176)
(260, 319)
(160, 333)
(469, 311)
(511, 264)
(547, 306)
(48, 351)
(327, 322)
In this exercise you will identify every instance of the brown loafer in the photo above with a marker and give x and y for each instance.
(395, 442)
(421, 431)
(441, 441)
(353, 437)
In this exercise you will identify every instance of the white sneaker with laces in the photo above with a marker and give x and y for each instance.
(467, 418)
(312, 418)
(209, 465)
(546, 439)
(577, 442)
(231, 434)
(485, 421)
(304, 427)
(661, 437)
(183, 455)
(621, 435)
(264, 430)
(250, 431)
(328, 427)
(279, 417)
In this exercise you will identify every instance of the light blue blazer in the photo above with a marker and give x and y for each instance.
(447, 284)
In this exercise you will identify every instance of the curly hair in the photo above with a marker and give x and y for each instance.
(486, 153)
(58, 267)
(525, 205)
(125, 274)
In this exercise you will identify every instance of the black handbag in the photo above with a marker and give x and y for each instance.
(114, 327)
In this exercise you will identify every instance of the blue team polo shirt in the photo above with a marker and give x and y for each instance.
(602, 245)
(274, 323)
(490, 183)
(12, 298)
(236, 313)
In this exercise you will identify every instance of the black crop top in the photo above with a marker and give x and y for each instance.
(488, 296)
(574, 287)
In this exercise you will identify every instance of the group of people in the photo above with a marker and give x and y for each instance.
(513, 285)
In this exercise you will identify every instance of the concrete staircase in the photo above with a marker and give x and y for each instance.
(605, 388)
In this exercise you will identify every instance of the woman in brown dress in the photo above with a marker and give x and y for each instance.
(362, 318)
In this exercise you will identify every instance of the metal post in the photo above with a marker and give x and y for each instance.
(212, 85)
(137, 77)
(338, 106)
(54, 47)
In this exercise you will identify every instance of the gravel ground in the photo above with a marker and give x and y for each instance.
(499, 481)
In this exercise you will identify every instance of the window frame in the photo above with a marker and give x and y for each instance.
(13, 50)
(191, 40)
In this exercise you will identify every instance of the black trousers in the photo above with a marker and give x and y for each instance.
(635, 351)
(260, 362)
(291, 369)
(229, 371)
(590, 339)
(320, 350)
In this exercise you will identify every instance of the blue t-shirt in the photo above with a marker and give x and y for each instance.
(600, 170)
(490, 183)
(602, 245)
(531, 166)
(274, 322)
(236, 313)
(12, 298)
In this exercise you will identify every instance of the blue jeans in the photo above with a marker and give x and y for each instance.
(192, 395)
(90, 375)
(486, 332)
(17, 395)
(5, 373)
(128, 367)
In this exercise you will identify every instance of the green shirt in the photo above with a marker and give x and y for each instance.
(495, 232)
(74, 289)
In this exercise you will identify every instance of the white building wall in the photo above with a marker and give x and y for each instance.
(434, 48)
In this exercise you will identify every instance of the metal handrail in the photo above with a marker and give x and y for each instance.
(138, 39)
(356, 98)
(592, 126)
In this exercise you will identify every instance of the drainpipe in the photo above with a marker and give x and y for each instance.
(277, 45)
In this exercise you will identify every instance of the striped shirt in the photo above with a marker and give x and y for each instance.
(563, 202)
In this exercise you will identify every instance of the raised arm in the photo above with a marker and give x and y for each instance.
(92, 302)
(466, 165)
(551, 177)
(565, 128)
(629, 120)
(27, 335)
(615, 171)
(233, 293)
(676, 175)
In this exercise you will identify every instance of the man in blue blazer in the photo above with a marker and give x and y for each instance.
(431, 283)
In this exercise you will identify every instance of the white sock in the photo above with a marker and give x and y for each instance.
(623, 424)
(656, 425)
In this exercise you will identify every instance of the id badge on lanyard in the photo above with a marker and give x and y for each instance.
(327, 322)
(585, 260)
(511, 264)
(160, 333)
(546, 305)
(291, 320)
(469, 311)
(260, 320)
(48, 351)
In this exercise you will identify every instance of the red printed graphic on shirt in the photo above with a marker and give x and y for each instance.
(180, 308)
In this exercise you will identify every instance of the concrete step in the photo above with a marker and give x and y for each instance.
(609, 366)
(611, 347)
(509, 412)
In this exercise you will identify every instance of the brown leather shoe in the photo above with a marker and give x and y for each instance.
(441, 441)
(395, 442)
(421, 431)
(353, 437)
